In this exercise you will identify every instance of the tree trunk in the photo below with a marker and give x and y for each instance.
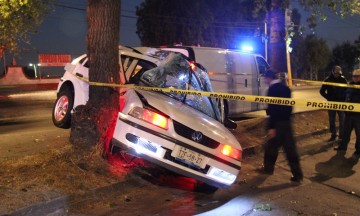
(93, 124)
(277, 45)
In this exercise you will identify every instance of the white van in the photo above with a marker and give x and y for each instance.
(230, 72)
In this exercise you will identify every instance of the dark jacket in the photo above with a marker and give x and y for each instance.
(353, 96)
(333, 93)
(278, 113)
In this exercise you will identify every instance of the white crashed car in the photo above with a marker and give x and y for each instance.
(180, 132)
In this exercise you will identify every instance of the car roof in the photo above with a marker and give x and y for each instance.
(124, 50)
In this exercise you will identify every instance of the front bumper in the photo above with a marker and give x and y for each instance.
(157, 147)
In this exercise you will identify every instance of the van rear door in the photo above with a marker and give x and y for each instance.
(219, 69)
(231, 72)
(246, 80)
(262, 66)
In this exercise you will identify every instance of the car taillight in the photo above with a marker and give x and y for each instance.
(231, 152)
(150, 117)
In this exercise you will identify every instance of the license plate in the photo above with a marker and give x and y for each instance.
(190, 156)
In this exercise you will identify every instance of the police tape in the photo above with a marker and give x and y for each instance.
(328, 83)
(328, 105)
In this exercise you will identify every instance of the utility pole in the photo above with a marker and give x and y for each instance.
(288, 41)
(277, 45)
(266, 40)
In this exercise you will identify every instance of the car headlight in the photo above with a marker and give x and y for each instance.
(150, 117)
(230, 151)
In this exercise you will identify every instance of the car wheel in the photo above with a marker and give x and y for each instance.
(61, 114)
(204, 188)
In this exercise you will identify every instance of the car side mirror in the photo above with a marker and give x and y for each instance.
(228, 123)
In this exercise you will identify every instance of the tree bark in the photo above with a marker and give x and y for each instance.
(93, 124)
(277, 45)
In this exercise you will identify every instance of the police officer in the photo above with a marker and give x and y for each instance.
(279, 130)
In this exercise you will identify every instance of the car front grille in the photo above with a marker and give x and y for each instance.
(187, 132)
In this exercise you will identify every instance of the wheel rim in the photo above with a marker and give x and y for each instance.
(61, 108)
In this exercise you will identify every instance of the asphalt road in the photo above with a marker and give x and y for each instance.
(25, 124)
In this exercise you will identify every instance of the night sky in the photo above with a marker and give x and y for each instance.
(64, 30)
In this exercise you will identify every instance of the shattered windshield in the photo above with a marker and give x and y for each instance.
(178, 73)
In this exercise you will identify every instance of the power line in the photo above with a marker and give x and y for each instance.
(158, 17)
(70, 7)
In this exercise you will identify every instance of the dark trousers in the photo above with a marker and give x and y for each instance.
(332, 120)
(351, 122)
(284, 137)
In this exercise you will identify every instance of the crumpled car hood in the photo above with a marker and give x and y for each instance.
(188, 116)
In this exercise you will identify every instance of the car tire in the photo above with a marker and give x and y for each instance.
(61, 114)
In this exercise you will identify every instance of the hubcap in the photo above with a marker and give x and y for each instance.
(61, 108)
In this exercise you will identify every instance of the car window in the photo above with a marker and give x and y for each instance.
(85, 62)
(176, 72)
(134, 67)
(262, 65)
(125, 61)
(140, 68)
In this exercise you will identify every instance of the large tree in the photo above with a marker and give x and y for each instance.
(277, 45)
(296, 45)
(346, 55)
(316, 9)
(316, 57)
(93, 124)
(18, 20)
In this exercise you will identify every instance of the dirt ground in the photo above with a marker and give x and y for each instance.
(67, 170)
(252, 132)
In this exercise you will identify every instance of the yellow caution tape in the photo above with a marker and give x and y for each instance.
(328, 105)
(329, 83)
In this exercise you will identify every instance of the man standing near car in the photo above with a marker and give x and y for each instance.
(334, 93)
(279, 130)
(352, 119)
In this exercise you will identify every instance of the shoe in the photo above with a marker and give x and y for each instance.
(296, 179)
(332, 138)
(339, 148)
(265, 171)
